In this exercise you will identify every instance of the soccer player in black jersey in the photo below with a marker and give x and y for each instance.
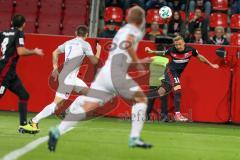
(180, 55)
(12, 47)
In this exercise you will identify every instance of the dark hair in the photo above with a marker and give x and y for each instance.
(197, 30)
(18, 20)
(180, 17)
(82, 30)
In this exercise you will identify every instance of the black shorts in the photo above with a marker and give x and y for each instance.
(171, 78)
(11, 82)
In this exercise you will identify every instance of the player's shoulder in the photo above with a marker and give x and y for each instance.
(131, 29)
(189, 48)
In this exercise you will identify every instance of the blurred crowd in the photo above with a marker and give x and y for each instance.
(194, 27)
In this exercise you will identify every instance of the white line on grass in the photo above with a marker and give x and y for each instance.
(27, 148)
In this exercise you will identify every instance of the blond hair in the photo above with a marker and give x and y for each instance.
(136, 15)
(177, 38)
(219, 28)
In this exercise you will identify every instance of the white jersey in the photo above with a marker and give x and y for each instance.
(119, 41)
(107, 78)
(75, 47)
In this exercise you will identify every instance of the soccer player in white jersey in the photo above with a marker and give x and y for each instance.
(113, 80)
(75, 50)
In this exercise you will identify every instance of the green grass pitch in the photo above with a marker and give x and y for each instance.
(106, 139)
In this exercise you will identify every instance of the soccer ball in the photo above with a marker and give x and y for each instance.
(165, 12)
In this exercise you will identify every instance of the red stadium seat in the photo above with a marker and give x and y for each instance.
(48, 28)
(25, 5)
(22, 7)
(218, 19)
(153, 16)
(113, 13)
(5, 20)
(72, 10)
(70, 24)
(6, 6)
(235, 21)
(235, 39)
(49, 24)
(220, 5)
(51, 7)
(191, 15)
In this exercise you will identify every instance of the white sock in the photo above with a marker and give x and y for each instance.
(77, 113)
(47, 111)
(138, 118)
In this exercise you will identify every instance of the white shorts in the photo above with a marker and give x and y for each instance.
(104, 87)
(71, 81)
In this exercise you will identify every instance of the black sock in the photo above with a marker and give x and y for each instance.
(177, 97)
(22, 108)
(164, 108)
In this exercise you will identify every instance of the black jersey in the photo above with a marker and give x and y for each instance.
(180, 59)
(9, 41)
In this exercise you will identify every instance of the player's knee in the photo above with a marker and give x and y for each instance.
(177, 88)
(24, 96)
(161, 91)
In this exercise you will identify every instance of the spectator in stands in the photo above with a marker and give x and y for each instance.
(155, 4)
(130, 3)
(198, 21)
(198, 38)
(154, 32)
(204, 4)
(176, 26)
(219, 38)
(117, 3)
(235, 7)
(177, 5)
(110, 31)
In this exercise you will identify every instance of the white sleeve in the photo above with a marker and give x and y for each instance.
(61, 48)
(87, 49)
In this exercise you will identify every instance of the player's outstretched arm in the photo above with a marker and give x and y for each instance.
(205, 60)
(160, 53)
(22, 51)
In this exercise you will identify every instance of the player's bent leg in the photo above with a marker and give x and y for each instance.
(46, 112)
(138, 119)
(76, 113)
(17, 88)
(79, 110)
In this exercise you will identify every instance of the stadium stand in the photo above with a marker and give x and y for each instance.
(220, 5)
(113, 13)
(153, 16)
(22, 7)
(218, 19)
(235, 39)
(235, 22)
(5, 20)
(64, 15)
(191, 15)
